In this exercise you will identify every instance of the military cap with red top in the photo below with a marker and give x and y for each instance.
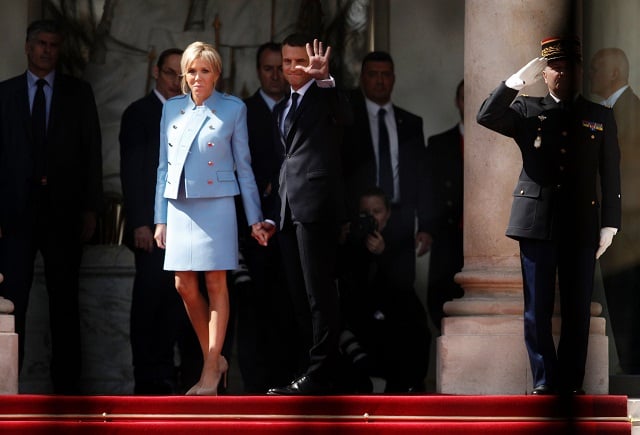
(565, 47)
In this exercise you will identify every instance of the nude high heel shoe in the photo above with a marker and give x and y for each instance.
(193, 391)
(221, 375)
(224, 370)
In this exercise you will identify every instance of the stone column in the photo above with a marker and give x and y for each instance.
(481, 350)
(8, 348)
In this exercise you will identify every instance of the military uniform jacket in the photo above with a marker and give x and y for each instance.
(563, 152)
(209, 144)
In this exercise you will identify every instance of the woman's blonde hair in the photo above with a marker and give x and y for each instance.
(199, 50)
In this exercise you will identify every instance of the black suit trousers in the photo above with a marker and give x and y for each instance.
(309, 250)
(58, 241)
(622, 290)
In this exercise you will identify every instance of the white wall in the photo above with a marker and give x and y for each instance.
(613, 24)
(13, 22)
(427, 44)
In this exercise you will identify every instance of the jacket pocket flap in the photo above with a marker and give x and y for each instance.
(318, 173)
(226, 176)
(527, 189)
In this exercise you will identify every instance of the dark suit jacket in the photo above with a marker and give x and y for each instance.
(360, 170)
(556, 194)
(260, 123)
(624, 253)
(139, 150)
(310, 174)
(444, 182)
(74, 158)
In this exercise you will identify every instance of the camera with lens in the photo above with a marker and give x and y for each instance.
(363, 225)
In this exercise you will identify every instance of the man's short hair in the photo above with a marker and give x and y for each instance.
(43, 26)
(377, 56)
(376, 191)
(165, 54)
(271, 46)
(297, 40)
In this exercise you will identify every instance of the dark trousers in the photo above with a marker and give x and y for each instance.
(540, 260)
(446, 260)
(309, 252)
(57, 238)
(267, 334)
(159, 322)
(622, 289)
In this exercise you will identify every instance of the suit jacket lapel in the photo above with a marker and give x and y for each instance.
(278, 111)
(306, 105)
(58, 106)
(21, 97)
(191, 127)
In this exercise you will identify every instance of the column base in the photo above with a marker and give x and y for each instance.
(486, 355)
(8, 355)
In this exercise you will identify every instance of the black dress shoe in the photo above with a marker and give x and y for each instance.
(572, 392)
(303, 386)
(543, 390)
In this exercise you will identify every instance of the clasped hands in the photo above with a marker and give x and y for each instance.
(262, 232)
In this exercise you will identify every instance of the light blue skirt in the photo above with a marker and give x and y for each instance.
(202, 234)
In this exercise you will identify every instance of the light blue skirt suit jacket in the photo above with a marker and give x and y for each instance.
(204, 162)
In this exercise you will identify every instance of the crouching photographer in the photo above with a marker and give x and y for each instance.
(385, 331)
(366, 227)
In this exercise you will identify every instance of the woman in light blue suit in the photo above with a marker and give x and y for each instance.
(203, 145)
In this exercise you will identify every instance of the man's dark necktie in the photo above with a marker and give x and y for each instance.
(292, 110)
(39, 127)
(385, 172)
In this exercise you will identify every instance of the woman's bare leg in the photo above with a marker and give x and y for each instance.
(209, 321)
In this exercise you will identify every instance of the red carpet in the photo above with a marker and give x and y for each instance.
(432, 414)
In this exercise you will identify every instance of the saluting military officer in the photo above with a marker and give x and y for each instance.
(557, 217)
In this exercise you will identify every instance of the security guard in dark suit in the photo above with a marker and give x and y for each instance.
(445, 172)
(562, 226)
(50, 193)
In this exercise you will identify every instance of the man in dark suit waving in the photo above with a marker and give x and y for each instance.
(561, 224)
(311, 203)
(50, 191)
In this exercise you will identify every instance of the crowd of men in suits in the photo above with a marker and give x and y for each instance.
(314, 156)
(342, 175)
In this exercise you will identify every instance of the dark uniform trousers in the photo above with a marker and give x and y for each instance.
(575, 270)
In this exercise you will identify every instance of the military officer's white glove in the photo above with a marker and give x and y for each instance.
(528, 74)
(606, 237)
